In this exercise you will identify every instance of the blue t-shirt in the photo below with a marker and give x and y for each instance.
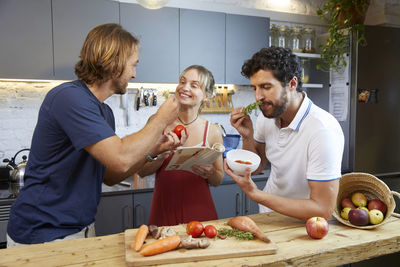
(62, 181)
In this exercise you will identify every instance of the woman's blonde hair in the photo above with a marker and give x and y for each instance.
(104, 53)
(206, 79)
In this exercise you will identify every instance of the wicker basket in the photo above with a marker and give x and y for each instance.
(372, 188)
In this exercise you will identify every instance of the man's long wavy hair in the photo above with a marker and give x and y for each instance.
(104, 53)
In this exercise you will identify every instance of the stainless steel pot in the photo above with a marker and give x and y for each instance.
(17, 172)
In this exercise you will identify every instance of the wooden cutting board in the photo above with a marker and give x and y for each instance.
(219, 249)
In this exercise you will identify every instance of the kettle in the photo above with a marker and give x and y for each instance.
(18, 172)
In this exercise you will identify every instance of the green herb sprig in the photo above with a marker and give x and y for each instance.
(241, 235)
(247, 110)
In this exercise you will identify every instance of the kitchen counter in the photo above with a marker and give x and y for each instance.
(342, 245)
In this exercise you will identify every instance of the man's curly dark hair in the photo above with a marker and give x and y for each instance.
(282, 62)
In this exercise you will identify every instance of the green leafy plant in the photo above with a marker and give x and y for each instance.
(343, 17)
(238, 234)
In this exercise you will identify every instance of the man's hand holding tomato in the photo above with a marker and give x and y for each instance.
(178, 129)
(168, 142)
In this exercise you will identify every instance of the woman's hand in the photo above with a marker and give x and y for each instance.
(205, 171)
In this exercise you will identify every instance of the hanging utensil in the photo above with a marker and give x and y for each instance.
(139, 97)
(154, 101)
(146, 98)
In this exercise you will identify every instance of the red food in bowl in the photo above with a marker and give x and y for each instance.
(243, 162)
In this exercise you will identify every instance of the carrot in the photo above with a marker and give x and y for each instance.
(141, 235)
(246, 224)
(161, 245)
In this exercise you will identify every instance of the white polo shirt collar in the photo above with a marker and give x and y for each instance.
(301, 114)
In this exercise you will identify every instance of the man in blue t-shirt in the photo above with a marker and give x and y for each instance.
(74, 146)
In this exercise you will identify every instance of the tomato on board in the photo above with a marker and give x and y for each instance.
(194, 228)
(178, 129)
(210, 231)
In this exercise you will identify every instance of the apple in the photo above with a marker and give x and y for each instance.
(364, 208)
(375, 216)
(359, 199)
(346, 202)
(317, 227)
(358, 217)
(345, 213)
(377, 204)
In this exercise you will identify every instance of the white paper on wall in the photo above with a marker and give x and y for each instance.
(339, 93)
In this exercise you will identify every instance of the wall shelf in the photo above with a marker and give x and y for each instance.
(313, 85)
(308, 55)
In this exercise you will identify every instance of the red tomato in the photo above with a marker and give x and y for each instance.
(194, 228)
(178, 129)
(210, 231)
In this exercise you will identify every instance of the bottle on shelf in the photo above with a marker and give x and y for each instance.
(305, 69)
(273, 35)
(309, 40)
(283, 36)
(296, 38)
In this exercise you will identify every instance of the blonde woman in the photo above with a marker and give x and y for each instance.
(182, 196)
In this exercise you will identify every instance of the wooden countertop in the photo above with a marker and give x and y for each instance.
(342, 245)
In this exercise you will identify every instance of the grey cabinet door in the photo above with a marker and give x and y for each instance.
(158, 32)
(114, 214)
(202, 41)
(26, 49)
(228, 200)
(245, 35)
(249, 206)
(72, 20)
(141, 208)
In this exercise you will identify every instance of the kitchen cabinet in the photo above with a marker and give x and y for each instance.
(72, 20)
(245, 35)
(231, 201)
(202, 41)
(309, 69)
(158, 32)
(114, 214)
(141, 207)
(26, 39)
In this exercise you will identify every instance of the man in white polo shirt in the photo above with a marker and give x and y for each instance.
(303, 143)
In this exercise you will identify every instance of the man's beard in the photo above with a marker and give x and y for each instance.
(277, 109)
(120, 86)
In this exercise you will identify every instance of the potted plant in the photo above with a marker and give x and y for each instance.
(343, 18)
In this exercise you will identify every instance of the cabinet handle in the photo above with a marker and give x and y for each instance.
(247, 205)
(139, 218)
(126, 217)
(238, 203)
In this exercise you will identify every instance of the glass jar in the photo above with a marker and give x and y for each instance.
(305, 69)
(296, 38)
(283, 36)
(309, 40)
(273, 35)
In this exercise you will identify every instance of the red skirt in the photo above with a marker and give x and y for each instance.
(180, 197)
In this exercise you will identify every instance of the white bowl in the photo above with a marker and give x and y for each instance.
(244, 155)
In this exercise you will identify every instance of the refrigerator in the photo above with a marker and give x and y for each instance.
(371, 126)
(374, 117)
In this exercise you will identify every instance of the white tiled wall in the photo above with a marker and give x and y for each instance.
(20, 103)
